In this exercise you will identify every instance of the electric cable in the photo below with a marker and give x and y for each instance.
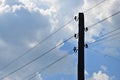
(45, 39)
(108, 40)
(105, 55)
(36, 58)
(103, 19)
(38, 43)
(101, 39)
(109, 32)
(53, 63)
(94, 6)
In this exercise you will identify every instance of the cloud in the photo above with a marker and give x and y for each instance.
(2, 43)
(104, 68)
(23, 24)
(22, 19)
(38, 76)
(86, 73)
(96, 14)
(100, 76)
(7, 79)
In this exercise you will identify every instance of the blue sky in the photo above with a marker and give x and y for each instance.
(25, 22)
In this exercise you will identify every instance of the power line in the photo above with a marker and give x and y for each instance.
(108, 40)
(107, 34)
(112, 38)
(53, 63)
(105, 55)
(110, 32)
(94, 6)
(103, 19)
(38, 43)
(102, 36)
(105, 38)
(36, 58)
(97, 4)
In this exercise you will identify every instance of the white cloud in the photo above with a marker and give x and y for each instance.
(29, 4)
(25, 22)
(2, 43)
(31, 20)
(7, 79)
(4, 8)
(100, 76)
(95, 15)
(31, 45)
(16, 7)
(105, 9)
(86, 73)
(103, 67)
(38, 76)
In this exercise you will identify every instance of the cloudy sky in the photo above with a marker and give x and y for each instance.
(24, 23)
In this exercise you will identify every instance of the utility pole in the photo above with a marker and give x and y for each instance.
(81, 46)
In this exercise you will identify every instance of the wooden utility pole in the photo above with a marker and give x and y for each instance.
(81, 46)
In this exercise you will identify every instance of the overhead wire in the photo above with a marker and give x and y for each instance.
(95, 6)
(36, 58)
(108, 40)
(48, 66)
(116, 13)
(92, 8)
(103, 36)
(106, 33)
(38, 43)
(101, 39)
(109, 32)
(105, 55)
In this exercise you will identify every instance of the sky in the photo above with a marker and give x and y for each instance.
(24, 23)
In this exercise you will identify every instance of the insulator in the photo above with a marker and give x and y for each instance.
(75, 49)
(76, 19)
(86, 45)
(76, 36)
(86, 29)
